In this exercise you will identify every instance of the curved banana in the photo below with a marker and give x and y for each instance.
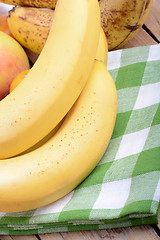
(40, 3)
(121, 19)
(55, 81)
(31, 26)
(53, 170)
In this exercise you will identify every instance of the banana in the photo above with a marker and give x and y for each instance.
(31, 26)
(121, 19)
(40, 3)
(55, 81)
(53, 170)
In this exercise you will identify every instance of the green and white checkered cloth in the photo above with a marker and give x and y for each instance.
(124, 189)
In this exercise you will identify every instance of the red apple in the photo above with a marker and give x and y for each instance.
(13, 60)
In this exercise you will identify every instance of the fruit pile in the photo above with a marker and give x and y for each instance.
(57, 123)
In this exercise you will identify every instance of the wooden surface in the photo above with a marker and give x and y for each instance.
(148, 35)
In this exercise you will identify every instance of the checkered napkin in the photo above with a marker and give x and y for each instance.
(124, 189)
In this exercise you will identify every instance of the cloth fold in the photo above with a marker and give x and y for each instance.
(124, 188)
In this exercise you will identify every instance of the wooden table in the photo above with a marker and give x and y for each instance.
(148, 35)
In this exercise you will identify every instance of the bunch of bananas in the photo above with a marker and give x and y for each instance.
(31, 26)
(120, 20)
(56, 124)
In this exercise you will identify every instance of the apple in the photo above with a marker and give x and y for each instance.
(13, 60)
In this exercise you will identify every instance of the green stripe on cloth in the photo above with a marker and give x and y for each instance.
(130, 75)
(124, 188)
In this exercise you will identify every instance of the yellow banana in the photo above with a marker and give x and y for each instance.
(31, 26)
(55, 81)
(53, 170)
(121, 19)
(40, 3)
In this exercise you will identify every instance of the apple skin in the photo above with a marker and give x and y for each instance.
(13, 60)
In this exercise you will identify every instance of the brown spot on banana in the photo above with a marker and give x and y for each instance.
(23, 18)
(147, 4)
(133, 28)
(147, 8)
